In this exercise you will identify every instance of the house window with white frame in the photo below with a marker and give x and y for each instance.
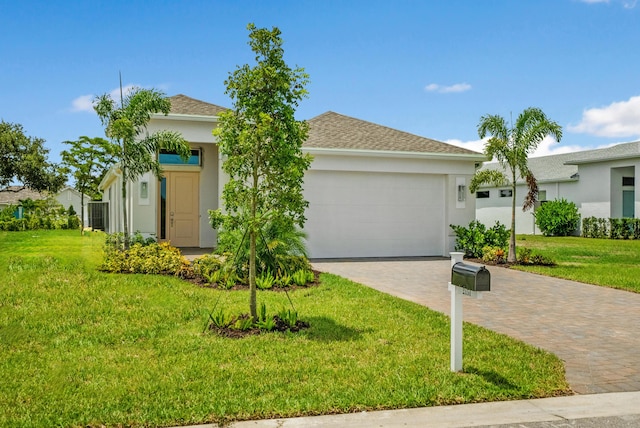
(506, 193)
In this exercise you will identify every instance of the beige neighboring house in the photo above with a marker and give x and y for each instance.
(12, 195)
(373, 191)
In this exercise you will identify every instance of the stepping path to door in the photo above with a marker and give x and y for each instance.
(595, 330)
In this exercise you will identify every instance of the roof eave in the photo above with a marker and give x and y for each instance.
(605, 159)
(394, 154)
(188, 117)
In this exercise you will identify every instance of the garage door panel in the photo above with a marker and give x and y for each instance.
(359, 214)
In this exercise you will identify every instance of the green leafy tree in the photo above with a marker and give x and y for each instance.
(88, 159)
(125, 124)
(262, 143)
(24, 160)
(511, 146)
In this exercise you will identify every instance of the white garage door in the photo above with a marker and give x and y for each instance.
(365, 214)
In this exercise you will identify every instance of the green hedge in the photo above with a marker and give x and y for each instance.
(612, 228)
(42, 214)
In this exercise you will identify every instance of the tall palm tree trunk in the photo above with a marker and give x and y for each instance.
(511, 257)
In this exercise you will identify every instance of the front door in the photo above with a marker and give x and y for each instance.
(179, 215)
(628, 203)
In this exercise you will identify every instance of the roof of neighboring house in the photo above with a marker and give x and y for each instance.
(565, 166)
(335, 131)
(545, 168)
(619, 151)
(182, 104)
(11, 195)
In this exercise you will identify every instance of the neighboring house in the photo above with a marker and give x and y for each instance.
(71, 197)
(373, 191)
(12, 195)
(600, 182)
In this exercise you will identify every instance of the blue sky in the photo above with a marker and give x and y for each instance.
(432, 68)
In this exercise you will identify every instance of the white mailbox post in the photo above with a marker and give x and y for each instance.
(470, 281)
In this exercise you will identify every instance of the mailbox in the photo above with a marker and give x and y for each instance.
(474, 278)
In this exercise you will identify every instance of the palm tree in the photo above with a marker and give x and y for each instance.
(511, 146)
(126, 124)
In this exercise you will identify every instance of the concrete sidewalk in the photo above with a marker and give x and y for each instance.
(613, 410)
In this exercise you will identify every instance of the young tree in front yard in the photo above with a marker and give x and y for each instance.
(89, 159)
(262, 142)
(23, 159)
(125, 124)
(511, 146)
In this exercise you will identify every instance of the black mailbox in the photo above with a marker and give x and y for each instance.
(474, 278)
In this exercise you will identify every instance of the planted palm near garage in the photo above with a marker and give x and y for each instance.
(511, 146)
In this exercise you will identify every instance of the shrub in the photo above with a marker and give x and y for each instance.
(473, 239)
(280, 249)
(557, 218)
(493, 254)
(525, 256)
(148, 259)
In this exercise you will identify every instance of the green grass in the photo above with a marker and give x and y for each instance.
(83, 348)
(606, 262)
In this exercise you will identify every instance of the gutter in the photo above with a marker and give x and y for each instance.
(187, 117)
(394, 154)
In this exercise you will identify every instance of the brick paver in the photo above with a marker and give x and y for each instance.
(595, 330)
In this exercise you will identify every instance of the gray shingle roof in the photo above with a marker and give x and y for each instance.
(565, 166)
(13, 194)
(335, 131)
(545, 168)
(182, 104)
(619, 151)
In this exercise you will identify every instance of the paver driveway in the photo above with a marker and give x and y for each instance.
(595, 330)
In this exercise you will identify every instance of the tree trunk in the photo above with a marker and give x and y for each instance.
(81, 213)
(124, 212)
(253, 304)
(511, 258)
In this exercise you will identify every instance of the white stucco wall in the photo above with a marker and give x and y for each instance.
(439, 177)
(496, 208)
(69, 196)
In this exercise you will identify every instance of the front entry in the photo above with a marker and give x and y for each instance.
(179, 208)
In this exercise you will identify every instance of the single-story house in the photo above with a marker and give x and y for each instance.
(66, 197)
(600, 182)
(12, 195)
(373, 191)
(71, 197)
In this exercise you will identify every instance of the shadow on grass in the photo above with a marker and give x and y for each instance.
(325, 329)
(491, 377)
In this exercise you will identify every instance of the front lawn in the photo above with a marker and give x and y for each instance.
(609, 262)
(83, 348)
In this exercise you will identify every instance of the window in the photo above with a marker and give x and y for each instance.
(167, 157)
(505, 193)
(628, 181)
(483, 194)
(542, 196)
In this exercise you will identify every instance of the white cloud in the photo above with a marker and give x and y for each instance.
(82, 103)
(126, 90)
(85, 102)
(547, 147)
(458, 87)
(627, 4)
(618, 119)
